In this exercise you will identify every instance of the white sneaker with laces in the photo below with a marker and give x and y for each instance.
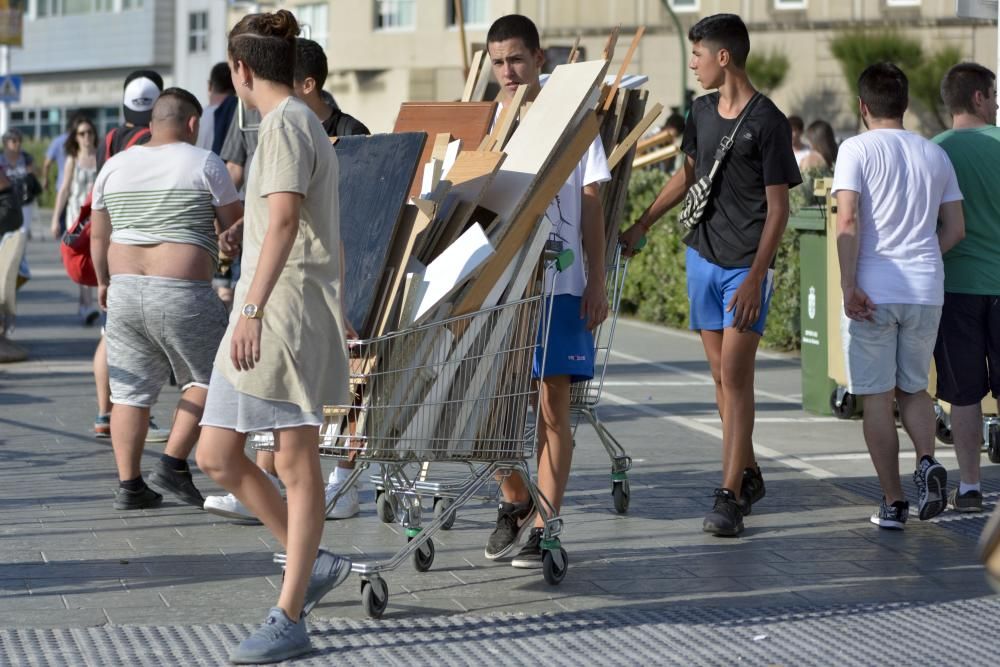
(156, 434)
(230, 507)
(347, 505)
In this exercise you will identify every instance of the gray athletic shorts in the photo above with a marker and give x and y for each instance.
(156, 325)
(228, 408)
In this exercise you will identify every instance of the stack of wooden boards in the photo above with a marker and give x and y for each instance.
(447, 271)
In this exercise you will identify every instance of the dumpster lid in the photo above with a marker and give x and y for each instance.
(809, 219)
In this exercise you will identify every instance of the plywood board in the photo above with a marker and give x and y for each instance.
(376, 173)
(555, 114)
(401, 257)
(537, 200)
(471, 174)
(468, 121)
(508, 119)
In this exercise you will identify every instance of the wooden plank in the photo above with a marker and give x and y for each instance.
(541, 195)
(626, 144)
(471, 174)
(654, 157)
(468, 121)
(431, 178)
(441, 142)
(574, 53)
(609, 46)
(375, 177)
(483, 80)
(556, 113)
(470, 80)
(508, 118)
(625, 63)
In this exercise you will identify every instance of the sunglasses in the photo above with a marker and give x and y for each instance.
(85, 133)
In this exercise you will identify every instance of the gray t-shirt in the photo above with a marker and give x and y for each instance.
(241, 144)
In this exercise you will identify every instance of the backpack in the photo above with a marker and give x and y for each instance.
(75, 246)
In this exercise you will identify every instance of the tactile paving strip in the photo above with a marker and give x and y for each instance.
(961, 631)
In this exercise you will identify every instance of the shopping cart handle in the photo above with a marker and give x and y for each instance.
(564, 260)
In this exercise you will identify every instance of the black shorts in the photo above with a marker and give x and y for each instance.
(967, 354)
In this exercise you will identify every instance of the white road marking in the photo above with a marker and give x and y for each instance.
(701, 377)
(694, 425)
(693, 337)
(656, 383)
(776, 420)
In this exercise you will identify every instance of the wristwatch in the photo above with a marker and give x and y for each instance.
(252, 312)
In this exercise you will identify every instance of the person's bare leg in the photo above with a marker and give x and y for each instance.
(917, 414)
(967, 429)
(220, 456)
(128, 437)
(185, 431)
(297, 459)
(712, 342)
(555, 450)
(265, 461)
(512, 486)
(102, 380)
(883, 442)
(739, 351)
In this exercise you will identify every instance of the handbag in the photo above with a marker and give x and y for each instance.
(698, 194)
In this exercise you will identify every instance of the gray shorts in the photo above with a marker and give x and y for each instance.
(894, 350)
(228, 408)
(158, 325)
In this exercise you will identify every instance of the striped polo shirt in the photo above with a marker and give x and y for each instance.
(164, 194)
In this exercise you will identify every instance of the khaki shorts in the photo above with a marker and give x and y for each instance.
(892, 351)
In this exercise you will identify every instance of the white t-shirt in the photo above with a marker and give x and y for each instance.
(156, 194)
(902, 180)
(206, 128)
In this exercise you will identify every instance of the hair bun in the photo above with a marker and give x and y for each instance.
(281, 23)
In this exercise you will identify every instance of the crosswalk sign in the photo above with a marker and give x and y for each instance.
(10, 88)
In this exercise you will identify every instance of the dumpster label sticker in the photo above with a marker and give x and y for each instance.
(811, 305)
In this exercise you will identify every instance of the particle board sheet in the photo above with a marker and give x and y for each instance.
(555, 114)
(376, 173)
(466, 121)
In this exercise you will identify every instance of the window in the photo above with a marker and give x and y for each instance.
(684, 5)
(45, 8)
(902, 3)
(395, 14)
(132, 4)
(197, 32)
(789, 4)
(315, 17)
(474, 12)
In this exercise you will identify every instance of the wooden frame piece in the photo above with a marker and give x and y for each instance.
(470, 80)
(632, 137)
(508, 117)
(621, 71)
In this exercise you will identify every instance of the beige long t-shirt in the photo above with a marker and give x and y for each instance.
(303, 354)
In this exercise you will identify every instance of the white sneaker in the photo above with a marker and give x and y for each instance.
(347, 505)
(156, 434)
(230, 507)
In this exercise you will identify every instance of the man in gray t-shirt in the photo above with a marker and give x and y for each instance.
(239, 147)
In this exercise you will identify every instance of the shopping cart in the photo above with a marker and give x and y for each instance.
(585, 396)
(454, 394)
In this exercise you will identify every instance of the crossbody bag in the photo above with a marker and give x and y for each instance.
(698, 195)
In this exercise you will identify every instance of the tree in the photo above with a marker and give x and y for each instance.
(925, 85)
(768, 70)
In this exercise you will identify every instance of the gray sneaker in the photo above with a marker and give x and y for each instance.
(931, 480)
(276, 640)
(329, 571)
(178, 482)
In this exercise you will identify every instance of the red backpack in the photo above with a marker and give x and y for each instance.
(75, 246)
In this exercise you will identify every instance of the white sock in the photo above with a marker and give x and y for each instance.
(964, 488)
(340, 475)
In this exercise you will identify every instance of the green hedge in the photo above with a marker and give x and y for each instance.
(37, 148)
(655, 288)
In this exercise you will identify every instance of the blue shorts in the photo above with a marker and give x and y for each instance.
(570, 348)
(710, 287)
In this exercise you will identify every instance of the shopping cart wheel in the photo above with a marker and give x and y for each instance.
(441, 506)
(423, 557)
(553, 571)
(620, 493)
(942, 431)
(847, 407)
(374, 596)
(383, 507)
(993, 446)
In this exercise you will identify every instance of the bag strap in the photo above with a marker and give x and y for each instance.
(109, 139)
(728, 140)
(144, 132)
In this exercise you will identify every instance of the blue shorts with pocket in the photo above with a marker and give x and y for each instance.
(710, 288)
(570, 348)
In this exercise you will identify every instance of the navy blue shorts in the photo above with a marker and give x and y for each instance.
(710, 287)
(570, 348)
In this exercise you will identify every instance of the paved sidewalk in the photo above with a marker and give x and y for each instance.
(811, 582)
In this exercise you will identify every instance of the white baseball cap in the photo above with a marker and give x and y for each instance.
(142, 87)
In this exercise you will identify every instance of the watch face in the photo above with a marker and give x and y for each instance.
(249, 310)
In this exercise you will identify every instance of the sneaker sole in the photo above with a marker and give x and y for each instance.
(165, 484)
(526, 526)
(342, 575)
(333, 515)
(887, 523)
(718, 531)
(267, 658)
(102, 433)
(157, 437)
(122, 507)
(937, 493)
(965, 510)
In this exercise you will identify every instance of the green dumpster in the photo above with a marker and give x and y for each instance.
(811, 223)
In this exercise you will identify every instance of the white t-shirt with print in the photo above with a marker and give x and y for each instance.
(902, 179)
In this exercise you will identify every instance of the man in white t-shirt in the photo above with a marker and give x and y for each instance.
(158, 210)
(579, 304)
(892, 188)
